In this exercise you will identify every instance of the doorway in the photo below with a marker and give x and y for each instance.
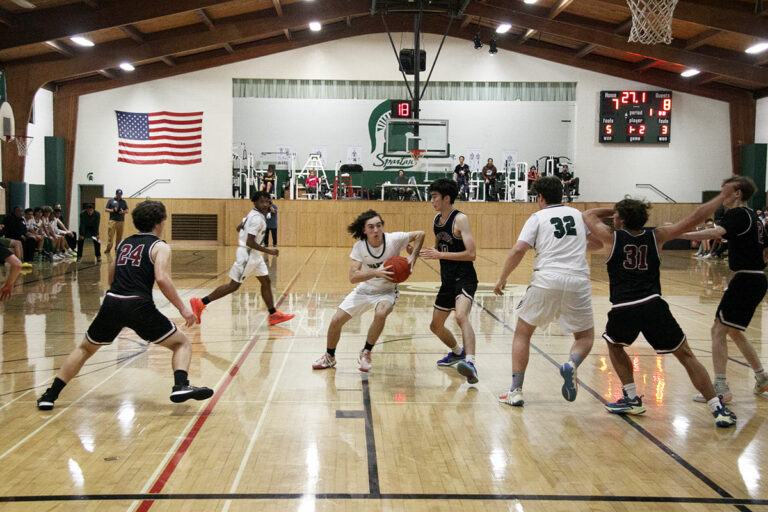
(89, 193)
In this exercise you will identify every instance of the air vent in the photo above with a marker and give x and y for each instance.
(194, 227)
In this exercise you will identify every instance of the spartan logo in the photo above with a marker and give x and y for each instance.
(377, 123)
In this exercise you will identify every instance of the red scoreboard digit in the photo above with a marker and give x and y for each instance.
(401, 109)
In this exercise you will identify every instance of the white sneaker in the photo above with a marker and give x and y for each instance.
(721, 390)
(324, 361)
(761, 383)
(364, 360)
(514, 398)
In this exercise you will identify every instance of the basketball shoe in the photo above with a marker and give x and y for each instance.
(570, 383)
(364, 360)
(324, 361)
(721, 389)
(761, 383)
(626, 405)
(451, 359)
(196, 303)
(45, 402)
(183, 393)
(468, 370)
(514, 398)
(279, 317)
(724, 418)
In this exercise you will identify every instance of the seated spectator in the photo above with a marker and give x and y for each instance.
(58, 241)
(15, 229)
(403, 193)
(462, 174)
(269, 181)
(490, 174)
(570, 183)
(533, 175)
(311, 183)
(62, 230)
(33, 220)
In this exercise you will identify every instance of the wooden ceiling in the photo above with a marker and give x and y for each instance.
(168, 37)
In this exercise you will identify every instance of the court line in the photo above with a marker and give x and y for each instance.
(183, 446)
(370, 441)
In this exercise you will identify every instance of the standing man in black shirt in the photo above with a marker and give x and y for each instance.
(117, 208)
(746, 257)
(89, 228)
(455, 248)
(489, 174)
(461, 174)
(140, 260)
(635, 293)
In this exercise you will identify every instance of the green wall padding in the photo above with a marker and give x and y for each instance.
(17, 194)
(55, 167)
(753, 165)
(37, 196)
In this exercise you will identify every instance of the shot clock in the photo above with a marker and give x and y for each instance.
(400, 109)
(635, 117)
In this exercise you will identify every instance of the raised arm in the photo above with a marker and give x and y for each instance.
(161, 253)
(514, 258)
(594, 221)
(681, 229)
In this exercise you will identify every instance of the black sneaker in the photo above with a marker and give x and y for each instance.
(45, 402)
(184, 393)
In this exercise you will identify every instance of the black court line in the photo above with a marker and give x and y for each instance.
(370, 441)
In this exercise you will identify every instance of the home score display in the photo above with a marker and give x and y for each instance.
(635, 117)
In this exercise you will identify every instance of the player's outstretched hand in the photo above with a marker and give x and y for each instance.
(499, 288)
(273, 252)
(189, 317)
(6, 291)
(430, 253)
(384, 272)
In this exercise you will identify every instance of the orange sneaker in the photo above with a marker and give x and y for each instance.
(279, 317)
(196, 303)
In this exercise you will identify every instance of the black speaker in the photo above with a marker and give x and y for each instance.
(350, 168)
(408, 60)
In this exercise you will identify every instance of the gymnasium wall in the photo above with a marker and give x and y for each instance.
(696, 159)
(761, 121)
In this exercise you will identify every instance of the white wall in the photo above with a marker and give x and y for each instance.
(697, 158)
(34, 164)
(761, 121)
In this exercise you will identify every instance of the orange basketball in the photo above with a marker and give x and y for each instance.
(400, 268)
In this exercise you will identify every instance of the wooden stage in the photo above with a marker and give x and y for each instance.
(409, 436)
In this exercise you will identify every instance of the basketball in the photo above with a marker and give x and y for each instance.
(400, 268)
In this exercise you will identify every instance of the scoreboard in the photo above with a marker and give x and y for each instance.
(635, 117)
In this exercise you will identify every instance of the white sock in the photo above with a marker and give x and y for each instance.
(714, 404)
(630, 390)
(761, 371)
(469, 358)
(457, 350)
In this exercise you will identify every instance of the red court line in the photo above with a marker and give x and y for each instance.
(182, 449)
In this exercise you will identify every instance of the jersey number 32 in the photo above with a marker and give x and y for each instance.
(564, 226)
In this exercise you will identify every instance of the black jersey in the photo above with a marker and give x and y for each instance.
(745, 233)
(633, 267)
(134, 268)
(447, 242)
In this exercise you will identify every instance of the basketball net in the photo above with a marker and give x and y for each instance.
(416, 153)
(22, 144)
(651, 21)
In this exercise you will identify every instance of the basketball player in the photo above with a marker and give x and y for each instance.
(140, 260)
(14, 265)
(635, 293)
(747, 255)
(455, 248)
(375, 288)
(248, 262)
(560, 287)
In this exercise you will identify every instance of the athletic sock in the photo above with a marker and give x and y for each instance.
(456, 350)
(517, 380)
(714, 404)
(576, 359)
(469, 358)
(368, 347)
(630, 390)
(180, 378)
(272, 311)
(56, 387)
(206, 301)
(331, 352)
(720, 378)
(761, 371)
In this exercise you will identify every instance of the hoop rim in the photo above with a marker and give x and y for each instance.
(417, 153)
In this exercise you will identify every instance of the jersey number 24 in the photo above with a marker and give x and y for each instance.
(130, 253)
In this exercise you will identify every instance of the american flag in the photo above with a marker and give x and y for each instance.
(159, 137)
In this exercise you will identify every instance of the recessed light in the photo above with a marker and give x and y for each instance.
(757, 48)
(690, 72)
(531, 1)
(315, 26)
(503, 28)
(82, 41)
(126, 66)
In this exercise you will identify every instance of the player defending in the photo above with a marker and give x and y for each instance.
(747, 255)
(141, 259)
(375, 289)
(248, 261)
(455, 248)
(635, 293)
(560, 287)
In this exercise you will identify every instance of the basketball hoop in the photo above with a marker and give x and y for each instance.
(651, 21)
(22, 144)
(416, 153)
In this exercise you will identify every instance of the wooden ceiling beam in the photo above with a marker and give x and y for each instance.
(645, 64)
(108, 73)
(93, 4)
(62, 21)
(558, 7)
(701, 39)
(168, 60)
(278, 7)
(289, 34)
(590, 47)
(229, 48)
(704, 78)
(588, 34)
(133, 33)
(467, 21)
(205, 19)
(585, 50)
(61, 48)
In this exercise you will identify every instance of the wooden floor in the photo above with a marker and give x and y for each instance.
(408, 436)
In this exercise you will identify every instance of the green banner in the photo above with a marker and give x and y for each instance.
(2, 86)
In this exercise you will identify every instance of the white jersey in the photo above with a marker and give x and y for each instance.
(559, 236)
(374, 257)
(253, 224)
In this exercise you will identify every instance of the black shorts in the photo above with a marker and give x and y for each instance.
(741, 298)
(138, 314)
(651, 318)
(449, 290)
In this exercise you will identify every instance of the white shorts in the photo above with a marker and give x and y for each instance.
(247, 262)
(567, 299)
(357, 303)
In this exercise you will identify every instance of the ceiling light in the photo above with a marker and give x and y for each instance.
(126, 66)
(24, 4)
(503, 28)
(492, 47)
(82, 41)
(531, 1)
(315, 26)
(690, 72)
(478, 43)
(757, 48)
